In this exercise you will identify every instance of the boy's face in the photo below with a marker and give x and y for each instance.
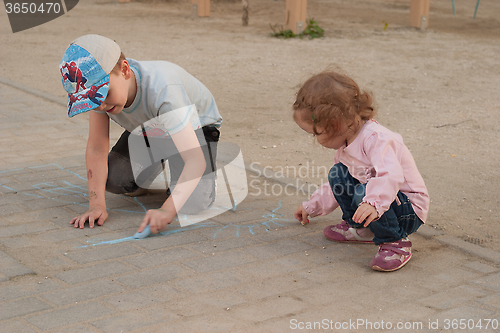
(118, 93)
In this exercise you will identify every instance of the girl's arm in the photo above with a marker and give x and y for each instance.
(97, 170)
(189, 148)
(322, 201)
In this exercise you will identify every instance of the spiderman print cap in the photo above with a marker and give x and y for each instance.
(85, 69)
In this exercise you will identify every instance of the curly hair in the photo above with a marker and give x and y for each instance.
(329, 98)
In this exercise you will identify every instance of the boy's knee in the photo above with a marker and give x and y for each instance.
(117, 185)
(120, 177)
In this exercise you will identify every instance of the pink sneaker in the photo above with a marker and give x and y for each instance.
(343, 232)
(392, 256)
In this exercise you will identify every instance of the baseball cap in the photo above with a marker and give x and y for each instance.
(85, 69)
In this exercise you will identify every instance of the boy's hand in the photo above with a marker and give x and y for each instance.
(157, 220)
(95, 214)
(365, 213)
(301, 215)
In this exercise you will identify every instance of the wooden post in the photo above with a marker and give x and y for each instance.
(244, 18)
(419, 13)
(202, 7)
(296, 13)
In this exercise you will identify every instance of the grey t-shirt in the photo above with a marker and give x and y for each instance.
(167, 98)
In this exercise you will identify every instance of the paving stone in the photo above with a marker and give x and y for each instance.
(491, 281)
(41, 176)
(270, 268)
(491, 300)
(210, 281)
(16, 198)
(10, 210)
(68, 232)
(19, 242)
(21, 307)
(77, 329)
(453, 297)
(153, 276)
(216, 246)
(273, 307)
(275, 286)
(199, 324)
(78, 313)
(277, 249)
(231, 217)
(10, 267)
(27, 228)
(170, 239)
(471, 248)
(480, 267)
(16, 327)
(82, 292)
(94, 272)
(148, 296)
(127, 322)
(221, 232)
(25, 289)
(219, 261)
(161, 257)
(44, 203)
(467, 313)
(104, 253)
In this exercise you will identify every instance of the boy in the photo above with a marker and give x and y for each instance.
(166, 113)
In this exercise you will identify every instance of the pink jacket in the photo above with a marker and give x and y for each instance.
(379, 158)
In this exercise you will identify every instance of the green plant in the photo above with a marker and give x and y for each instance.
(312, 30)
(278, 32)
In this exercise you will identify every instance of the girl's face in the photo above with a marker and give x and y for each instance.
(329, 140)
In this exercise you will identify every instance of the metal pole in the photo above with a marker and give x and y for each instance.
(477, 6)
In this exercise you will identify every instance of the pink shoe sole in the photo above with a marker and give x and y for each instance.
(346, 234)
(381, 269)
(392, 256)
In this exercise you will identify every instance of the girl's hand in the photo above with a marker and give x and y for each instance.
(157, 220)
(365, 213)
(97, 214)
(301, 215)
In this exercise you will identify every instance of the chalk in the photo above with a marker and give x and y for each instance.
(145, 233)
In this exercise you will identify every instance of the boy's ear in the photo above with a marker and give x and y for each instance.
(125, 69)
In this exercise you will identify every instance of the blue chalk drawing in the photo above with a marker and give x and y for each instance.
(64, 192)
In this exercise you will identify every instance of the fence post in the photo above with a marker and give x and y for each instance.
(202, 7)
(296, 13)
(419, 13)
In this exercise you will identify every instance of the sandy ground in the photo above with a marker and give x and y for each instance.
(438, 88)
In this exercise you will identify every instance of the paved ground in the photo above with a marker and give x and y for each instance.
(253, 270)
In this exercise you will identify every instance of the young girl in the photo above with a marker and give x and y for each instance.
(374, 180)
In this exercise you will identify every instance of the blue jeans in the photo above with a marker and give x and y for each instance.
(396, 223)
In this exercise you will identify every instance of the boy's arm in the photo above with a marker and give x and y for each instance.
(189, 148)
(97, 170)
